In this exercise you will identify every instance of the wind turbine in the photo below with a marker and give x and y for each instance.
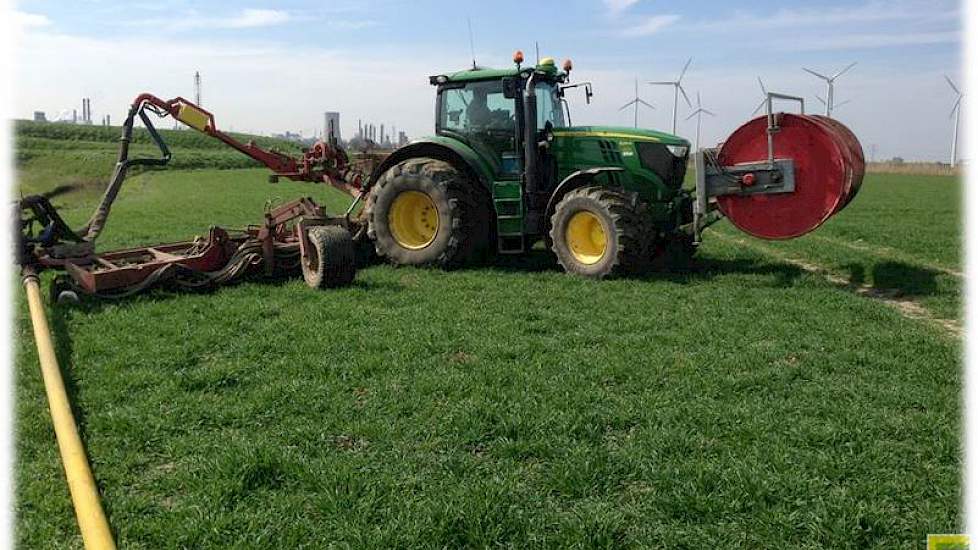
(830, 86)
(837, 105)
(636, 102)
(678, 87)
(956, 115)
(698, 113)
(763, 101)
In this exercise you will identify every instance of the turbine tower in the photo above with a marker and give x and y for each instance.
(956, 115)
(829, 100)
(698, 113)
(678, 87)
(636, 102)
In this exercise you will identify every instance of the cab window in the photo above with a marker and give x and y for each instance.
(549, 107)
(477, 108)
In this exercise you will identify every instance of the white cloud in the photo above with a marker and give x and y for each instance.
(874, 40)
(869, 12)
(651, 25)
(250, 18)
(30, 20)
(615, 7)
(247, 18)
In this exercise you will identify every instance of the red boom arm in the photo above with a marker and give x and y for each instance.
(320, 163)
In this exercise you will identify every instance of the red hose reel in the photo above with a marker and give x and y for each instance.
(828, 166)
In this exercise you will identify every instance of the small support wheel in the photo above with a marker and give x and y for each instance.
(62, 292)
(330, 259)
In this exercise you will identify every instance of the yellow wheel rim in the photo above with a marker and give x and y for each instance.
(413, 219)
(585, 237)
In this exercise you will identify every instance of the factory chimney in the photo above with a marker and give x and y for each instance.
(197, 89)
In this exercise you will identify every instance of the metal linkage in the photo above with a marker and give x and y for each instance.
(46, 241)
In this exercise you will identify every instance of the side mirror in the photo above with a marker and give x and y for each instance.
(512, 87)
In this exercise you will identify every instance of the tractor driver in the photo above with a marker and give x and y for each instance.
(478, 111)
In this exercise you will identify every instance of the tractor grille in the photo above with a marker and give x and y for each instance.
(670, 168)
(610, 152)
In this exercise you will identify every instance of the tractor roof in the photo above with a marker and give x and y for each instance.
(546, 66)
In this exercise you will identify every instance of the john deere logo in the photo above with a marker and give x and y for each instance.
(947, 542)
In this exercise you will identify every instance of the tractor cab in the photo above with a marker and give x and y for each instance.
(485, 109)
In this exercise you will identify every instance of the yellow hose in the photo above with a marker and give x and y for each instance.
(84, 494)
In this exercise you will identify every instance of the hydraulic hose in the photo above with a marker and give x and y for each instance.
(84, 494)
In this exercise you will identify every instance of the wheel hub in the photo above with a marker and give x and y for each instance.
(586, 238)
(413, 220)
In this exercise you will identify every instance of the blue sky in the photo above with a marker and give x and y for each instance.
(271, 67)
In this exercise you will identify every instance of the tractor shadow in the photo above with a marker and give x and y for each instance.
(702, 268)
(60, 320)
(895, 277)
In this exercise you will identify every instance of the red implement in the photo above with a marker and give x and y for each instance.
(828, 169)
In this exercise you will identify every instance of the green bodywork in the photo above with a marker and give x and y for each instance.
(582, 147)
(572, 149)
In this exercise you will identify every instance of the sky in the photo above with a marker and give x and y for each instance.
(274, 67)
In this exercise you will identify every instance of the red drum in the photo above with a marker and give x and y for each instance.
(829, 167)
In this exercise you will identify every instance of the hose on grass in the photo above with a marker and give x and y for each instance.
(84, 493)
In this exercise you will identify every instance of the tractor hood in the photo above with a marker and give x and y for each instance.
(621, 133)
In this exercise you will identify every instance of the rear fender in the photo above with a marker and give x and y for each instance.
(459, 155)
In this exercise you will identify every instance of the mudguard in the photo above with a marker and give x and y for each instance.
(575, 180)
(452, 151)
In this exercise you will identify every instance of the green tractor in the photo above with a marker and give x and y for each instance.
(506, 170)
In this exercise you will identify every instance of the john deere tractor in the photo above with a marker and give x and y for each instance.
(506, 170)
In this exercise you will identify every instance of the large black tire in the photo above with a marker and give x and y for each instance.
(623, 229)
(463, 211)
(330, 260)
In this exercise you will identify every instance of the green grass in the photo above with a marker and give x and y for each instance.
(745, 404)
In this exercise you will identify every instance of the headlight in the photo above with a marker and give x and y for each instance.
(678, 150)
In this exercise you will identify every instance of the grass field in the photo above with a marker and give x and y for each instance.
(748, 403)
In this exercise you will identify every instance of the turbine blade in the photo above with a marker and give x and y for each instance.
(822, 76)
(843, 71)
(686, 97)
(662, 83)
(819, 98)
(841, 104)
(686, 66)
(698, 102)
(763, 89)
(957, 105)
(951, 84)
(711, 113)
(649, 105)
(627, 105)
(694, 113)
(759, 106)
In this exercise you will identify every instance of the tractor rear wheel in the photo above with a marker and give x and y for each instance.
(598, 232)
(425, 212)
(330, 259)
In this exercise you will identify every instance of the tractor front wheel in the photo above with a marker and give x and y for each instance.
(598, 232)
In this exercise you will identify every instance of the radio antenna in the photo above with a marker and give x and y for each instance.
(471, 42)
(537, 46)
